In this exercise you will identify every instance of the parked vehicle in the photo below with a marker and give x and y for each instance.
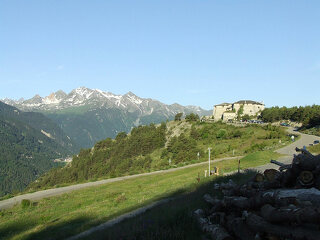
(316, 142)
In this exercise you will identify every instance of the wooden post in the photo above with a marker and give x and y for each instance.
(209, 161)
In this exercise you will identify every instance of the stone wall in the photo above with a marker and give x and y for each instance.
(226, 111)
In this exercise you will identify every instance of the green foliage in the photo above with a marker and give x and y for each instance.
(126, 154)
(245, 117)
(150, 147)
(194, 133)
(192, 117)
(222, 133)
(25, 152)
(308, 115)
(182, 149)
(178, 116)
(240, 112)
(25, 203)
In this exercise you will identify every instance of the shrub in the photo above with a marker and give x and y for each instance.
(222, 133)
(25, 203)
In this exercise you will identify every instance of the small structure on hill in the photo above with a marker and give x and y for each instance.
(230, 111)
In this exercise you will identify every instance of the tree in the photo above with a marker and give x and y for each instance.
(245, 117)
(240, 111)
(192, 117)
(178, 116)
(120, 136)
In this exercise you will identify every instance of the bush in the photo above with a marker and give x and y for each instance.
(222, 133)
(192, 117)
(25, 203)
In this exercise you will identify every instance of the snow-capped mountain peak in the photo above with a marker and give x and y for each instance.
(96, 98)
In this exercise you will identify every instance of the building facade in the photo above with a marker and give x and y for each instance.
(230, 111)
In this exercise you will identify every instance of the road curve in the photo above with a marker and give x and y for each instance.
(5, 204)
(288, 151)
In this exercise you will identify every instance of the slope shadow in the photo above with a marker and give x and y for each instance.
(169, 220)
(135, 226)
(59, 231)
(15, 228)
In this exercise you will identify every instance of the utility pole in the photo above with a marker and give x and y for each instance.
(209, 160)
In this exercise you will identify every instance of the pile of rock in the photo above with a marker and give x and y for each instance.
(282, 204)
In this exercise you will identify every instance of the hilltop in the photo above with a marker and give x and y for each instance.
(153, 147)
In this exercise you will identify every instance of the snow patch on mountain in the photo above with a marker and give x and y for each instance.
(96, 98)
(46, 134)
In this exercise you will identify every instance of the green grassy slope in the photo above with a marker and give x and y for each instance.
(171, 220)
(315, 149)
(69, 214)
(149, 148)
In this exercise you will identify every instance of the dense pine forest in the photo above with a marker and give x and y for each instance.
(25, 152)
(308, 115)
(155, 147)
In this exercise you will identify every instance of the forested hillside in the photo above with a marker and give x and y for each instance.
(154, 147)
(308, 115)
(25, 151)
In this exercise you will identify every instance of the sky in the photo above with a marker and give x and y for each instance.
(200, 53)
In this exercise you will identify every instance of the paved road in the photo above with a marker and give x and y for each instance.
(289, 150)
(4, 204)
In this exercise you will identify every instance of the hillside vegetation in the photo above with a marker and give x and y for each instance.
(308, 115)
(25, 151)
(154, 147)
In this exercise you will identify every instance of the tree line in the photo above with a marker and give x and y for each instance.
(308, 115)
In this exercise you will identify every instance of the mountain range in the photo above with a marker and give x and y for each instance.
(90, 115)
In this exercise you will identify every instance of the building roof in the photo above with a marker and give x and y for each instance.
(249, 102)
(223, 104)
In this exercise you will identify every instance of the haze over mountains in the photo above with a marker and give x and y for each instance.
(90, 115)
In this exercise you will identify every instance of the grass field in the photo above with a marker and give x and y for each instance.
(69, 214)
(315, 149)
(171, 220)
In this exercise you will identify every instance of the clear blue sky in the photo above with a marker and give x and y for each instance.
(190, 52)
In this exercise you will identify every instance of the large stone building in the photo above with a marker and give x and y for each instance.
(226, 111)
